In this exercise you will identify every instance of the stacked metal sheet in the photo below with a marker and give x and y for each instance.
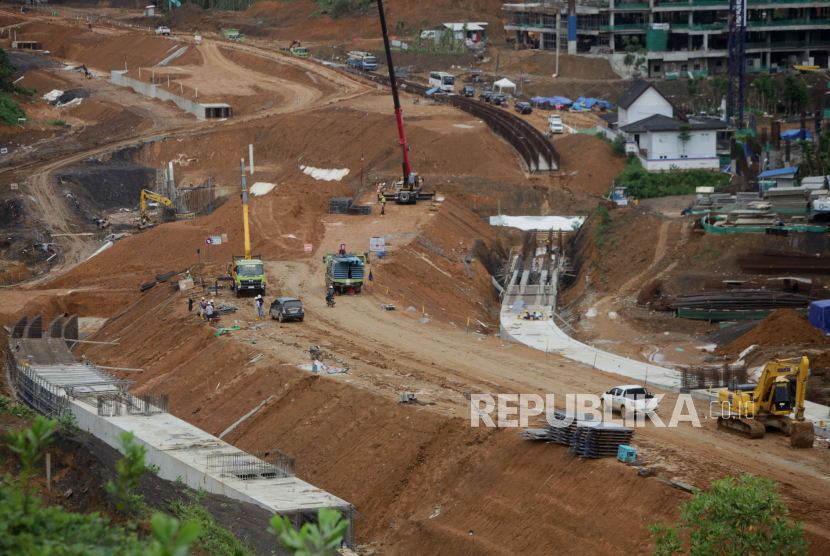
(362, 209)
(340, 205)
(739, 300)
(600, 440)
(788, 198)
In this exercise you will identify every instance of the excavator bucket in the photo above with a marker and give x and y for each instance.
(802, 434)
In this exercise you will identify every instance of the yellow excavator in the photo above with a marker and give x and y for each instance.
(750, 408)
(246, 272)
(145, 195)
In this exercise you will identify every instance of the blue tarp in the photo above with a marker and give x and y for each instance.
(590, 101)
(795, 135)
(431, 91)
(553, 101)
(820, 315)
(779, 172)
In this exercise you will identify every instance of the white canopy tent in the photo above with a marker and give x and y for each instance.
(503, 84)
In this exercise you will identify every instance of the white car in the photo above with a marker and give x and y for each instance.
(630, 399)
(162, 31)
(555, 124)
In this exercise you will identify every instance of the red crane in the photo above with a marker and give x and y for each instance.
(410, 188)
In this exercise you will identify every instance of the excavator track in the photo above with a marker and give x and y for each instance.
(746, 427)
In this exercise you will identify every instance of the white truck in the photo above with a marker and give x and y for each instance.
(362, 60)
(163, 31)
(630, 399)
(555, 124)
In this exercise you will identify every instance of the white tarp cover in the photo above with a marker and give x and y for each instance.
(52, 95)
(556, 223)
(261, 188)
(504, 84)
(336, 174)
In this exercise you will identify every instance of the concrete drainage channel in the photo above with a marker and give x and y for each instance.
(49, 379)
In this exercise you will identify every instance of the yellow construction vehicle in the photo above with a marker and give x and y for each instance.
(246, 271)
(750, 408)
(145, 195)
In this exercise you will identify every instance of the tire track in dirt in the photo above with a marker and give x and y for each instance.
(659, 253)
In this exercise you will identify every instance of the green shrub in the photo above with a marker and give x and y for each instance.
(68, 424)
(618, 146)
(213, 539)
(25, 91)
(10, 111)
(643, 184)
(58, 122)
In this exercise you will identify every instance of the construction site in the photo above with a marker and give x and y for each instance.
(288, 249)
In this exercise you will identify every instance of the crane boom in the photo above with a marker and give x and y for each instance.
(407, 169)
(245, 213)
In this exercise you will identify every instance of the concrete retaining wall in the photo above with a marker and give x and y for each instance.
(158, 91)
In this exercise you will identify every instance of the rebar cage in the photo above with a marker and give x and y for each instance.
(241, 466)
(700, 378)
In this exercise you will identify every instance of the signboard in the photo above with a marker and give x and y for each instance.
(704, 190)
(13, 186)
(308, 248)
(395, 43)
(404, 46)
(198, 39)
(213, 240)
(377, 244)
(380, 87)
(224, 238)
(55, 272)
(186, 284)
(4, 150)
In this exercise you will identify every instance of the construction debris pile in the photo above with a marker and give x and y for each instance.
(723, 202)
(347, 205)
(585, 436)
(789, 200)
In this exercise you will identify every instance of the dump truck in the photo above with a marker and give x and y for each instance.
(345, 271)
(362, 60)
(246, 271)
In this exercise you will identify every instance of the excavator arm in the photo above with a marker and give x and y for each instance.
(153, 197)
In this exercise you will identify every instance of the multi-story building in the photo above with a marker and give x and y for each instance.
(678, 35)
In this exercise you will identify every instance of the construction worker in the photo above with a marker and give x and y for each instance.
(189, 277)
(202, 308)
(379, 188)
(209, 310)
(382, 205)
(258, 305)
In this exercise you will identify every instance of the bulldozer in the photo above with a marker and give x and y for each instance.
(749, 409)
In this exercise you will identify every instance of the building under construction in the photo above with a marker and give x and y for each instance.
(680, 37)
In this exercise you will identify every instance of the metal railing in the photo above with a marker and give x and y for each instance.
(241, 466)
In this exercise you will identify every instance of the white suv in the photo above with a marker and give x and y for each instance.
(555, 124)
(630, 399)
(162, 31)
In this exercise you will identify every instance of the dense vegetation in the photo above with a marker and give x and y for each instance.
(10, 111)
(27, 528)
(743, 516)
(643, 184)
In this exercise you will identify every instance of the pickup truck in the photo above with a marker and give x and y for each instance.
(162, 31)
(630, 399)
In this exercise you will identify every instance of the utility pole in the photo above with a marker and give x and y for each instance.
(558, 19)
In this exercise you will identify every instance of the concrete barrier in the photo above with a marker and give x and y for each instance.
(213, 110)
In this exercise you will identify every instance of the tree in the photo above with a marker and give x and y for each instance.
(766, 88)
(684, 135)
(694, 87)
(741, 516)
(618, 146)
(795, 94)
(314, 539)
(7, 69)
(634, 55)
(130, 468)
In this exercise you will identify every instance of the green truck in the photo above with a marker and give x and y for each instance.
(345, 271)
(248, 275)
(233, 35)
